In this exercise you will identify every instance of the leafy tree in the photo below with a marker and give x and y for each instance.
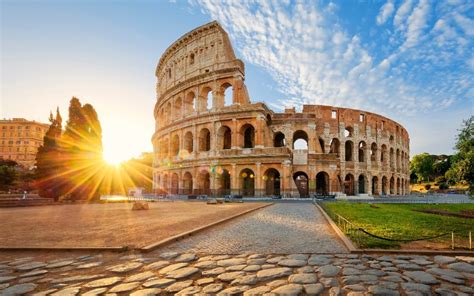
(422, 166)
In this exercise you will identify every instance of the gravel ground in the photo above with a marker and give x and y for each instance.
(280, 228)
(107, 225)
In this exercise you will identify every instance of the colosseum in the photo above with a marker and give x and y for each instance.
(211, 139)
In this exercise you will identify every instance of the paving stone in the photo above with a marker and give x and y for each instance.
(193, 290)
(70, 291)
(257, 291)
(105, 282)
(422, 288)
(328, 270)
(19, 289)
(172, 267)
(206, 264)
(30, 266)
(158, 283)
(95, 292)
(231, 262)
(251, 268)
(237, 290)
(35, 272)
(126, 287)
(157, 265)
(204, 281)
(213, 288)
(139, 277)
(182, 273)
(89, 265)
(292, 263)
(303, 278)
(122, 268)
(444, 259)
(146, 292)
(421, 277)
(185, 257)
(288, 290)
(168, 255)
(462, 266)
(382, 291)
(4, 279)
(59, 264)
(245, 280)
(273, 273)
(230, 276)
(313, 289)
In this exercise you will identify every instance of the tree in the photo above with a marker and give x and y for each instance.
(422, 166)
(463, 161)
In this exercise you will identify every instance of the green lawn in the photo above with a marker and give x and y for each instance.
(399, 221)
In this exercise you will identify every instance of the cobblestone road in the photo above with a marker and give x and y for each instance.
(281, 228)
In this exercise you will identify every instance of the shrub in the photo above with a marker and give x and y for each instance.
(428, 186)
(443, 186)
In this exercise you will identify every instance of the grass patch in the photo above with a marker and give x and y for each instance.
(400, 221)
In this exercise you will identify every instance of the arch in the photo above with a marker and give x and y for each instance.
(322, 183)
(204, 140)
(362, 184)
(392, 185)
(190, 103)
(384, 185)
(227, 90)
(224, 137)
(204, 182)
(349, 132)
(223, 181)
(302, 183)
(349, 185)
(335, 146)
(375, 185)
(362, 148)
(174, 183)
(175, 145)
(248, 133)
(279, 140)
(373, 152)
(188, 142)
(187, 183)
(321, 143)
(300, 140)
(272, 182)
(349, 150)
(247, 182)
(177, 107)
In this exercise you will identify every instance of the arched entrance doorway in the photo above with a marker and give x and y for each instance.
(301, 181)
(272, 182)
(322, 183)
(247, 182)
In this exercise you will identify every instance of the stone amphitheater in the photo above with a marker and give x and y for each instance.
(211, 139)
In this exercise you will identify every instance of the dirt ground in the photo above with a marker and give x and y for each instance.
(107, 225)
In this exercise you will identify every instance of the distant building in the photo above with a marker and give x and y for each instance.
(20, 139)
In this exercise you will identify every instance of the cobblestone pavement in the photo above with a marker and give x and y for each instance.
(245, 274)
(280, 228)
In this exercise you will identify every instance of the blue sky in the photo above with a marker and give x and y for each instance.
(409, 60)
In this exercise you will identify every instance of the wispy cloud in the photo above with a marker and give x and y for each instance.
(424, 62)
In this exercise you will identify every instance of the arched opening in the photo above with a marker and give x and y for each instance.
(335, 147)
(392, 185)
(248, 132)
(300, 140)
(174, 183)
(375, 186)
(302, 183)
(178, 105)
(204, 182)
(204, 140)
(349, 132)
(190, 103)
(322, 183)
(188, 142)
(272, 182)
(223, 182)
(362, 185)
(349, 150)
(373, 152)
(398, 186)
(349, 187)
(175, 145)
(321, 144)
(247, 182)
(362, 147)
(227, 90)
(187, 183)
(279, 140)
(384, 185)
(224, 137)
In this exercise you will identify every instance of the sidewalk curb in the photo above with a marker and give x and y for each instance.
(177, 237)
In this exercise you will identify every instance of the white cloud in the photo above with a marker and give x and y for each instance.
(385, 12)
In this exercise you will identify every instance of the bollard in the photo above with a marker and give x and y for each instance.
(452, 240)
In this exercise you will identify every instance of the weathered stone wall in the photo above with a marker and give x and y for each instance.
(206, 142)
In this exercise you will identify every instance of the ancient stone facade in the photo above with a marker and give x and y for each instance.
(211, 139)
